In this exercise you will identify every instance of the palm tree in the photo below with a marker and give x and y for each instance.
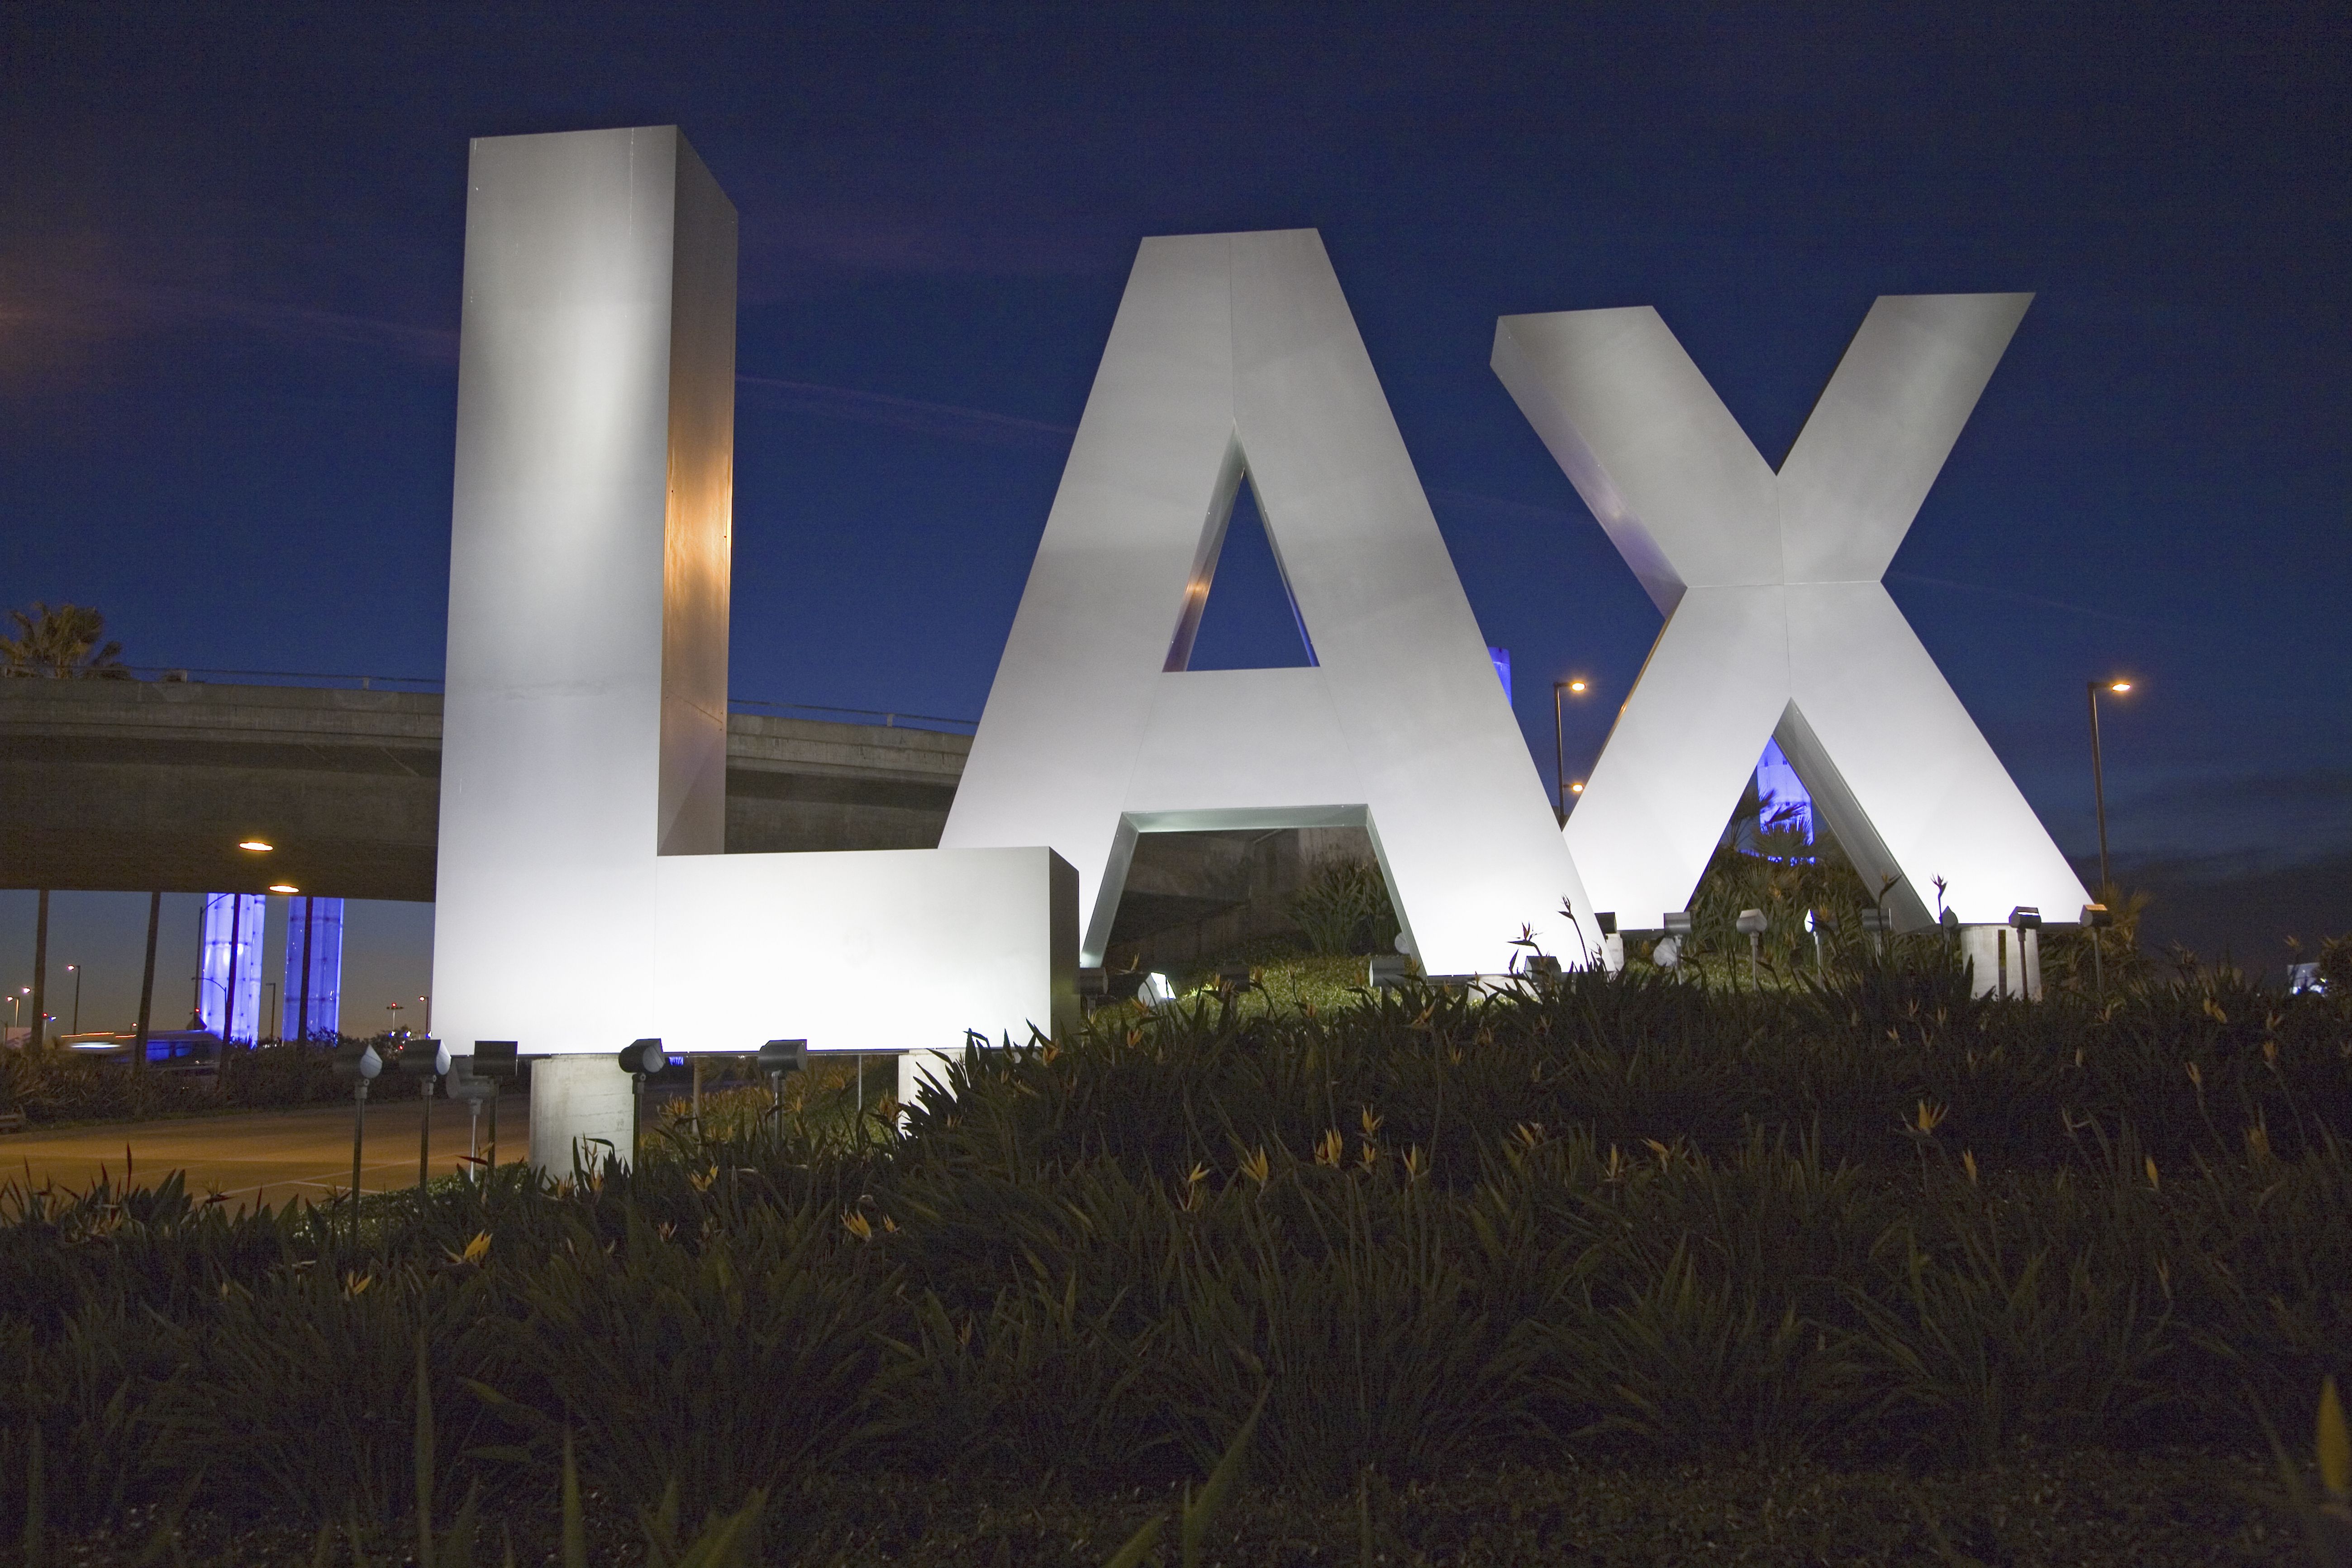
(61, 644)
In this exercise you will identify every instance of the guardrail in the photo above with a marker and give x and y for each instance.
(890, 719)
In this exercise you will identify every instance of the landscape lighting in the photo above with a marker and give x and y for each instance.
(1752, 924)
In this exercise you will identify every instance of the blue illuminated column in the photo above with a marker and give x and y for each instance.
(229, 984)
(314, 969)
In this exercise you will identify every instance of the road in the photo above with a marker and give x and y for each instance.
(263, 1156)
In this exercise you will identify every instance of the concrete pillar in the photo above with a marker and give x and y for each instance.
(917, 1066)
(2008, 961)
(582, 1109)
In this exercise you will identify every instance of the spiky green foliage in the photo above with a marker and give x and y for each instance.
(1621, 1220)
(1343, 907)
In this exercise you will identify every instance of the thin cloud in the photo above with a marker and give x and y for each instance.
(945, 420)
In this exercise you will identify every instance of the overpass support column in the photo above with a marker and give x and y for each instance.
(2008, 961)
(582, 1109)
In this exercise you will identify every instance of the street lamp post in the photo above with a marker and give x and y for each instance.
(75, 970)
(1560, 746)
(2098, 776)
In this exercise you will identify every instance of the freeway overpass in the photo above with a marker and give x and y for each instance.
(150, 785)
(138, 785)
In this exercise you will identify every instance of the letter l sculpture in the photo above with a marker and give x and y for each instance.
(583, 896)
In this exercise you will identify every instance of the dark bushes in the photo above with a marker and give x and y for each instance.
(1626, 1220)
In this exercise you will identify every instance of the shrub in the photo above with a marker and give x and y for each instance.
(1343, 907)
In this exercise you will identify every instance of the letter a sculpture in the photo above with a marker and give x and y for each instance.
(1234, 357)
(1778, 623)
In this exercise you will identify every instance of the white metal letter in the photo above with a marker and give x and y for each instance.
(1778, 624)
(1234, 359)
(582, 898)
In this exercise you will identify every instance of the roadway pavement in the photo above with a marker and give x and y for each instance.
(257, 1157)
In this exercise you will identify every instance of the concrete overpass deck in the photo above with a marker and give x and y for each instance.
(134, 785)
(149, 785)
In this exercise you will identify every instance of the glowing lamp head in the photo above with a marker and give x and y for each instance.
(2120, 686)
(1576, 788)
(1576, 686)
(284, 888)
(256, 845)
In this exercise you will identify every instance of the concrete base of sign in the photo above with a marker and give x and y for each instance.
(2008, 961)
(582, 1109)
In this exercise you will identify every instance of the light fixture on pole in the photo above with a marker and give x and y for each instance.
(1752, 924)
(1576, 684)
(465, 1084)
(361, 1064)
(1818, 921)
(2025, 926)
(641, 1059)
(499, 1062)
(778, 1058)
(2098, 776)
(426, 1059)
(75, 970)
(1667, 952)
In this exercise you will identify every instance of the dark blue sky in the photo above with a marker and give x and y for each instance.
(229, 268)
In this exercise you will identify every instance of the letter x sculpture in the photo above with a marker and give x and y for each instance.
(1778, 623)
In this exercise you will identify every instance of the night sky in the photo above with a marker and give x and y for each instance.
(230, 245)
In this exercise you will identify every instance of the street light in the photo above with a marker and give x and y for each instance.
(2098, 776)
(1576, 686)
(75, 970)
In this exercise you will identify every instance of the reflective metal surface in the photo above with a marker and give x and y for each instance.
(583, 896)
(1778, 626)
(1233, 356)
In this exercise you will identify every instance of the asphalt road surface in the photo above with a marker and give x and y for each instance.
(264, 1156)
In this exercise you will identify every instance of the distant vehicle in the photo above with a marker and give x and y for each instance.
(175, 1050)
